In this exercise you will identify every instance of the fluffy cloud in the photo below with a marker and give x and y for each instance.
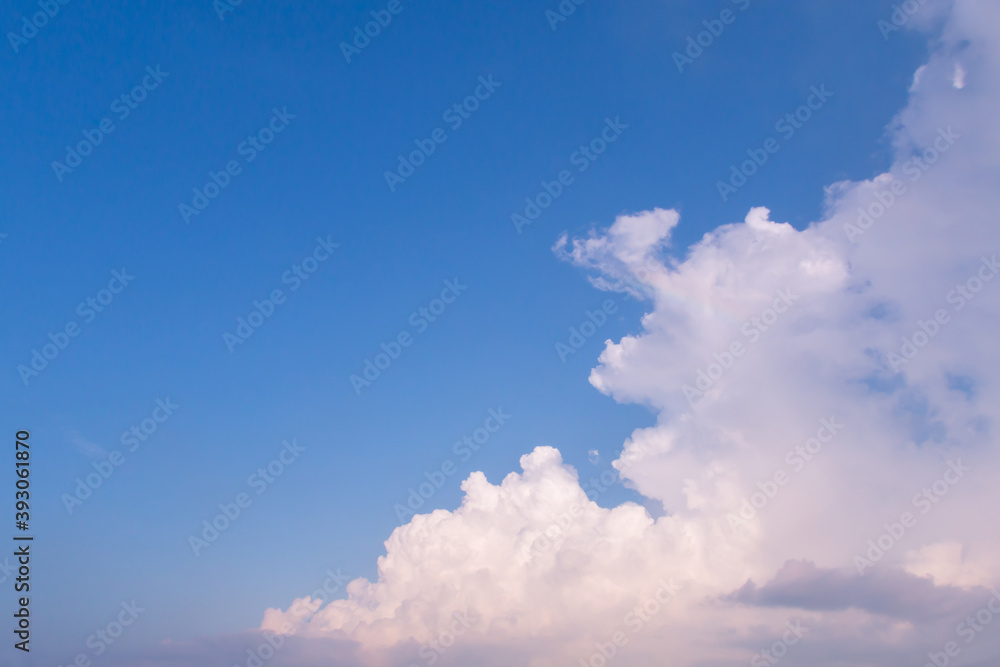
(824, 449)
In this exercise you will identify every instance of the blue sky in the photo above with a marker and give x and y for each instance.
(323, 177)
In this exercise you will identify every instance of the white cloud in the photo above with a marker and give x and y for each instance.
(820, 316)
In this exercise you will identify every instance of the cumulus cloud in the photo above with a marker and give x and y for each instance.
(530, 557)
(826, 404)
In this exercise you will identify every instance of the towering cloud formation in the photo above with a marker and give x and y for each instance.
(825, 450)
